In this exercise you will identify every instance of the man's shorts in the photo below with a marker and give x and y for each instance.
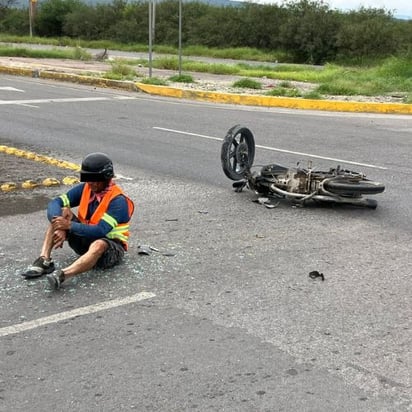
(110, 258)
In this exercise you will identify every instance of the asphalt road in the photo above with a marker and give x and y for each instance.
(231, 321)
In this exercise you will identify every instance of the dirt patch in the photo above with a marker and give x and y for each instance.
(18, 203)
(18, 170)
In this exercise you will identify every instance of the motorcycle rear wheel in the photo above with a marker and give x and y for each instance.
(238, 152)
(346, 187)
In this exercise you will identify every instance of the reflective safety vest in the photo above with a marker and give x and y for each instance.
(120, 231)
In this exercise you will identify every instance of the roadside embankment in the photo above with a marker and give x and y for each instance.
(217, 90)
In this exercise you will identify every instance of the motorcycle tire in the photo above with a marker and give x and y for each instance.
(238, 152)
(345, 187)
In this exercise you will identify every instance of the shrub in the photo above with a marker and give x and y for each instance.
(247, 84)
(121, 71)
(182, 78)
(156, 81)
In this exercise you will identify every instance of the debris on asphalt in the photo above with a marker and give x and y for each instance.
(147, 250)
(315, 274)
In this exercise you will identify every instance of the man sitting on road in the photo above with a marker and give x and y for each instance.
(100, 232)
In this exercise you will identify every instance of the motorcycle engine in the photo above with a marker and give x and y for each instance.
(294, 181)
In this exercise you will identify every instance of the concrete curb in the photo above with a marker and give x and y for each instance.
(284, 102)
(48, 182)
(217, 97)
(69, 77)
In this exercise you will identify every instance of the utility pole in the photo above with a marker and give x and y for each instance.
(180, 37)
(31, 17)
(32, 13)
(150, 37)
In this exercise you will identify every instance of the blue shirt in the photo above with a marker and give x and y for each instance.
(118, 210)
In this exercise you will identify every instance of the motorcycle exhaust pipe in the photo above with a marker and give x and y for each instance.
(289, 194)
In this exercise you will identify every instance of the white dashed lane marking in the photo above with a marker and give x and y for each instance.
(63, 100)
(86, 310)
(274, 149)
(11, 89)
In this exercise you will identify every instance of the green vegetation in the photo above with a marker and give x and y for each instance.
(75, 53)
(182, 78)
(120, 71)
(392, 75)
(284, 91)
(362, 52)
(156, 81)
(312, 95)
(81, 54)
(303, 31)
(247, 84)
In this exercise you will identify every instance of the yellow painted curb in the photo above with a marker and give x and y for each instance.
(17, 71)
(93, 81)
(273, 101)
(218, 97)
(8, 186)
(31, 184)
(51, 181)
(70, 180)
(74, 78)
(39, 158)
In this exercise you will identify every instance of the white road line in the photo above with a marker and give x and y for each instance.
(86, 310)
(124, 98)
(11, 89)
(29, 105)
(188, 133)
(274, 149)
(62, 100)
(119, 176)
(334, 159)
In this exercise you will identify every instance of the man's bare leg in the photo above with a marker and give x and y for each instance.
(55, 238)
(48, 243)
(88, 260)
(43, 264)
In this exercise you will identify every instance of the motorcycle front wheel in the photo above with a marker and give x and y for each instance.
(347, 187)
(238, 152)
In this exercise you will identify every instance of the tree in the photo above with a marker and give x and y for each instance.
(14, 21)
(309, 31)
(52, 14)
(367, 33)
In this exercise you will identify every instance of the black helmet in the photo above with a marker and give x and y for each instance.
(96, 167)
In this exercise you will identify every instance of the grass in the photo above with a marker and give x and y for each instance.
(247, 84)
(120, 71)
(182, 78)
(390, 76)
(74, 53)
(155, 81)
(245, 53)
(284, 92)
(312, 95)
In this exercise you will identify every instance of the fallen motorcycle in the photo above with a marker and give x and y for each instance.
(300, 185)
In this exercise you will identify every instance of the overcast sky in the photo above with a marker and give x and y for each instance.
(399, 7)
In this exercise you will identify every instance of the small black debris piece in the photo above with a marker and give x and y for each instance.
(239, 185)
(315, 274)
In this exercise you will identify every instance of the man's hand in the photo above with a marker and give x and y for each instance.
(61, 223)
(67, 213)
(59, 236)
